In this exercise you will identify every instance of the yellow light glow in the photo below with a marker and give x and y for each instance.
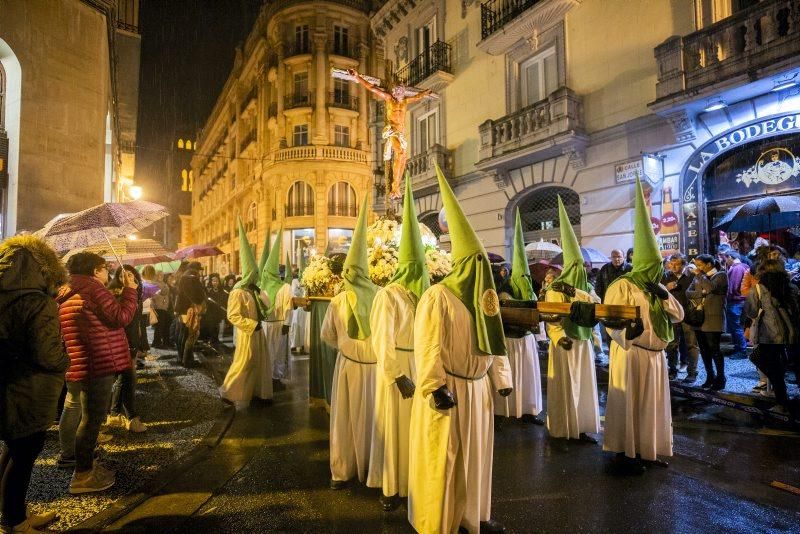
(135, 192)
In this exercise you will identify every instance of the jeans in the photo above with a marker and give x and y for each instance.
(733, 318)
(123, 392)
(709, 350)
(16, 464)
(685, 344)
(84, 412)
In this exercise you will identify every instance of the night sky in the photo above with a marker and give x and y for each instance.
(187, 53)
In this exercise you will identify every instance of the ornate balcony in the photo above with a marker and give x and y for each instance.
(298, 100)
(297, 48)
(505, 22)
(752, 44)
(342, 100)
(540, 131)
(433, 66)
(344, 50)
(421, 167)
(248, 139)
(320, 152)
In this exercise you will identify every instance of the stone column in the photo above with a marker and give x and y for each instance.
(363, 100)
(321, 82)
(280, 85)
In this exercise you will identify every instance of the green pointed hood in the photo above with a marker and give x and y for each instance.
(648, 265)
(521, 284)
(270, 281)
(287, 270)
(264, 251)
(247, 260)
(412, 268)
(357, 283)
(574, 272)
(471, 278)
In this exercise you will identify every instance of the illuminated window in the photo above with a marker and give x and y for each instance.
(300, 200)
(188, 145)
(342, 200)
(180, 143)
(341, 135)
(184, 180)
(300, 135)
(191, 180)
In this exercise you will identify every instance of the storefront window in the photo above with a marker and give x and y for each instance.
(339, 240)
(302, 244)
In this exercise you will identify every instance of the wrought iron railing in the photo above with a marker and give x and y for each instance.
(297, 209)
(340, 99)
(436, 57)
(297, 100)
(344, 50)
(342, 210)
(295, 48)
(497, 13)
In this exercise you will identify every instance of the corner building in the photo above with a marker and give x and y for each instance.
(286, 143)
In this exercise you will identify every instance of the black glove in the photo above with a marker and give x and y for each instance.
(614, 324)
(406, 386)
(258, 326)
(565, 343)
(505, 392)
(285, 329)
(634, 329)
(562, 287)
(443, 398)
(582, 314)
(657, 290)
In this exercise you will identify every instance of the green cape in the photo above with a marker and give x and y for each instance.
(357, 282)
(412, 269)
(521, 284)
(270, 281)
(247, 260)
(471, 278)
(574, 272)
(648, 265)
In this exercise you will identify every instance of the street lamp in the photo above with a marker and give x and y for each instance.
(135, 192)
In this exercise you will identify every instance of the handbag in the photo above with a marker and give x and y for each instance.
(695, 316)
(153, 317)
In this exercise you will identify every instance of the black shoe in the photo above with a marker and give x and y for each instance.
(658, 462)
(389, 504)
(531, 419)
(689, 380)
(708, 383)
(673, 376)
(277, 385)
(719, 384)
(587, 438)
(629, 466)
(492, 526)
(338, 484)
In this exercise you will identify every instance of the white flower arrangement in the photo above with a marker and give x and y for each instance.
(439, 263)
(318, 278)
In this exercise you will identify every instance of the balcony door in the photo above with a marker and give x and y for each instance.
(426, 36)
(538, 77)
(427, 131)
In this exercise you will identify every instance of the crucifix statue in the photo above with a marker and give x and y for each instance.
(397, 99)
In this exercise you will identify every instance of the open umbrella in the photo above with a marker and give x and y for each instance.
(145, 258)
(762, 215)
(542, 250)
(591, 255)
(100, 223)
(196, 251)
(495, 258)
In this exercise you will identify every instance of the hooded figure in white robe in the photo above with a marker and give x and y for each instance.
(573, 409)
(392, 336)
(638, 412)
(459, 348)
(278, 313)
(249, 374)
(346, 328)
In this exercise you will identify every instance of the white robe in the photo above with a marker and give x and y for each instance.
(249, 374)
(450, 456)
(352, 395)
(572, 405)
(297, 333)
(638, 411)
(392, 337)
(277, 341)
(523, 358)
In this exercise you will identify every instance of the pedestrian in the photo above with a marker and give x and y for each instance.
(93, 328)
(346, 328)
(189, 306)
(710, 287)
(123, 392)
(610, 272)
(230, 281)
(277, 315)
(525, 402)
(460, 358)
(297, 334)
(216, 304)
(32, 365)
(736, 270)
(638, 414)
(573, 410)
(677, 280)
(161, 306)
(773, 307)
(250, 374)
(392, 338)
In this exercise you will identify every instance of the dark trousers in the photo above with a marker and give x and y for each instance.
(16, 465)
(161, 328)
(186, 339)
(771, 361)
(685, 344)
(84, 412)
(145, 321)
(123, 392)
(712, 357)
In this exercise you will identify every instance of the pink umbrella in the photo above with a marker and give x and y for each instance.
(196, 251)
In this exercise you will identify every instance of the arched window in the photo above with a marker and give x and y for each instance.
(191, 181)
(188, 145)
(184, 180)
(252, 217)
(342, 200)
(539, 213)
(431, 220)
(300, 200)
(180, 143)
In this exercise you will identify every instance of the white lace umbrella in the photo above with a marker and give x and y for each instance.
(542, 250)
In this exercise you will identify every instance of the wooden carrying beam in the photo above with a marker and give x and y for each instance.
(554, 311)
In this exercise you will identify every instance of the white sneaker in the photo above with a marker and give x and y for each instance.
(136, 425)
(40, 520)
(118, 421)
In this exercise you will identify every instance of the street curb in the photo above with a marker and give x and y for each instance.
(127, 503)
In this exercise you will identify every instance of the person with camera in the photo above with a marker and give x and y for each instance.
(710, 288)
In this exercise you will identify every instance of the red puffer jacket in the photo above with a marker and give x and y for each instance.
(93, 327)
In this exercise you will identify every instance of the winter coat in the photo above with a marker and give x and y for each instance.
(712, 290)
(32, 357)
(190, 292)
(776, 325)
(607, 274)
(682, 284)
(93, 327)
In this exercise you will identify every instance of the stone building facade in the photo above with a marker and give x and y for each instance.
(68, 97)
(286, 143)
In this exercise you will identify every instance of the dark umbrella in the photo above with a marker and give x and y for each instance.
(762, 215)
(592, 255)
(495, 258)
(196, 251)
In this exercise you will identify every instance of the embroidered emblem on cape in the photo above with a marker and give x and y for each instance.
(490, 303)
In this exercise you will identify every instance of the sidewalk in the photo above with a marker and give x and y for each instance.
(178, 405)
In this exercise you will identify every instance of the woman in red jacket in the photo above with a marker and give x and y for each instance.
(93, 328)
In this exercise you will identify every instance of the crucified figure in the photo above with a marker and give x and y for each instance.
(396, 148)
